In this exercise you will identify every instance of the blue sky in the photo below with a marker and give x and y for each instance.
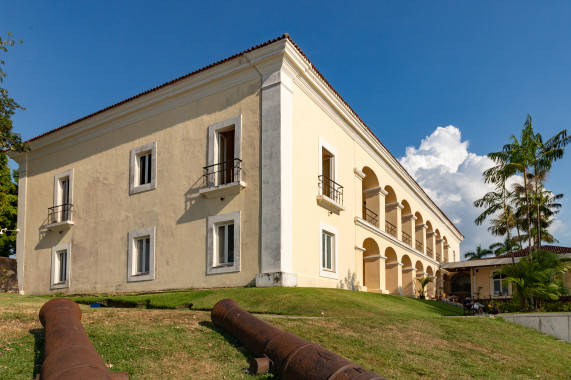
(406, 68)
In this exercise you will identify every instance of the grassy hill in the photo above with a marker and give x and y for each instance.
(156, 335)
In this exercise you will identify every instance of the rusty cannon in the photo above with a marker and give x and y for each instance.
(281, 352)
(68, 352)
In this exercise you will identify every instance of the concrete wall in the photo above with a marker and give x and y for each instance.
(554, 324)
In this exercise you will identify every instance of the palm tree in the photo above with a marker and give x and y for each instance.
(536, 279)
(508, 245)
(423, 282)
(480, 253)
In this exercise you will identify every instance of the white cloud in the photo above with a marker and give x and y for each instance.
(452, 177)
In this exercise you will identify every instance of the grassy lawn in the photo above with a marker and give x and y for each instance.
(397, 337)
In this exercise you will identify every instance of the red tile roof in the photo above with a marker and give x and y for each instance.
(524, 252)
(285, 35)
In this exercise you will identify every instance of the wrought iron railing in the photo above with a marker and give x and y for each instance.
(370, 217)
(438, 257)
(419, 245)
(223, 173)
(331, 189)
(429, 251)
(59, 213)
(390, 228)
(406, 238)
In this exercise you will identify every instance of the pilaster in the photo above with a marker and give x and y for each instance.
(408, 227)
(420, 229)
(277, 175)
(393, 211)
(21, 238)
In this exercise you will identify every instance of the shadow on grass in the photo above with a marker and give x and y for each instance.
(38, 349)
(230, 339)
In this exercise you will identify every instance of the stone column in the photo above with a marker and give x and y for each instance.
(359, 267)
(420, 229)
(359, 175)
(399, 277)
(375, 198)
(430, 243)
(393, 215)
(408, 227)
(408, 275)
(439, 250)
(446, 246)
(433, 287)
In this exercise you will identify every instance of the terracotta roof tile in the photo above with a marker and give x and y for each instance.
(285, 35)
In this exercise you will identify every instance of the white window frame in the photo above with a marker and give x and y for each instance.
(330, 230)
(55, 272)
(58, 178)
(212, 266)
(223, 126)
(134, 168)
(492, 287)
(132, 275)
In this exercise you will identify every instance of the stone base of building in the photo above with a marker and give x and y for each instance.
(264, 280)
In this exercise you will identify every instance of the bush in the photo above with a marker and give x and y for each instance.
(502, 306)
(552, 306)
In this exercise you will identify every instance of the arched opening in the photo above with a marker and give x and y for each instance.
(419, 274)
(460, 285)
(419, 236)
(445, 247)
(407, 276)
(429, 240)
(438, 245)
(391, 271)
(371, 265)
(431, 286)
(407, 223)
(439, 284)
(371, 197)
(391, 212)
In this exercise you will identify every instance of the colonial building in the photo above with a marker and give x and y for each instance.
(252, 170)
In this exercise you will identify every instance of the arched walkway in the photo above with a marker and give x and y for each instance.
(371, 265)
(372, 198)
(392, 271)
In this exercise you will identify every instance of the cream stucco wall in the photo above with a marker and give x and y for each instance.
(105, 212)
(312, 128)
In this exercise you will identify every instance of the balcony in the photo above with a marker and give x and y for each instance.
(406, 238)
(59, 217)
(370, 217)
(429, 251)
(330, 195)
(222, 179)
(438, 257)
(390, 228)
(419, 245)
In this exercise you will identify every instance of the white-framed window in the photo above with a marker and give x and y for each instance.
(63, 197)
(60, 266)
(223, 250)
(328, 171)
(141, 255)
(328, 251)
(500, 286)
(143, 168)
(224, 151)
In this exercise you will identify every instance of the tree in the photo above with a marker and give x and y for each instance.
(508, 245)
(423, 282)
(479, 253)
(538, 278)
(9, 140)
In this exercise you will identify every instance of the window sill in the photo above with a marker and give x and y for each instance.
(60, 285)
(223, 269)
(328, 203)
(60, 226)
(223, 190)
(328, 274)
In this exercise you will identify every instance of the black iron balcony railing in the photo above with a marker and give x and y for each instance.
(429, 251)
(419, 245)
(330, 189)
(222, 173)
(390, 228)
(406, 238)
(370, 217)
(59, 213)
(438, 257)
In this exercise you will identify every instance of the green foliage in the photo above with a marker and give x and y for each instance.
(538, 278)
(502, 306)
(8, 208)
(557, 306)
(479, 253)
(423, 282)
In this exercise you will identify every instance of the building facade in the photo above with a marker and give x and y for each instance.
(252, 170)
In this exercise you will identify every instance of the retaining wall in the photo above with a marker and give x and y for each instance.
(554, 324)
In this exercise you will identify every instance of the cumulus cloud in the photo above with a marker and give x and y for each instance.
(452, 177)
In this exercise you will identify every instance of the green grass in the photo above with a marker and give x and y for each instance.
(397, 337)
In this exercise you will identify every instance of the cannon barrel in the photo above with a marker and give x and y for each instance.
(68, 352)
(291, 356)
